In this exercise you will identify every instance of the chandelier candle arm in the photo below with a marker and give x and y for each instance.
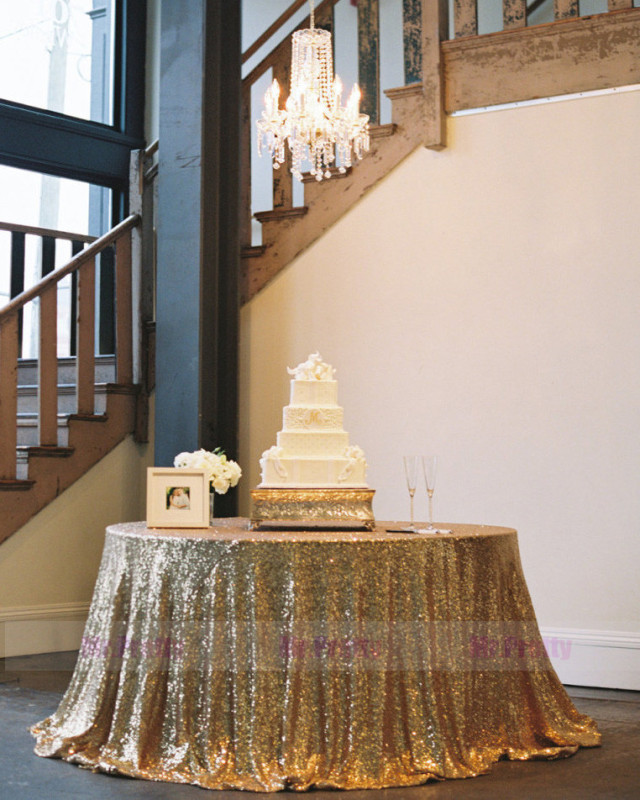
(314, 124)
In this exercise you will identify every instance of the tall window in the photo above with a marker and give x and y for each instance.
(72, 92)
(71, 111)
(58, 55)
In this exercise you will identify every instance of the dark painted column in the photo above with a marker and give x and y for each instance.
(197, 229)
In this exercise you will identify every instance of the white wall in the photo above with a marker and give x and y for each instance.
(482, 303)
(48, 568)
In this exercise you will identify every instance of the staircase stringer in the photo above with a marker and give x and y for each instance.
(54, 469)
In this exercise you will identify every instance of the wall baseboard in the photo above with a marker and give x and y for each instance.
(604, 659)
(54, 628)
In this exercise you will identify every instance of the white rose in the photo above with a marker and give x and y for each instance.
(220, 485)
(182, 460)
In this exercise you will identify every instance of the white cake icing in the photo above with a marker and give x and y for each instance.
(313, 443)
(314, 393)
(312, 449)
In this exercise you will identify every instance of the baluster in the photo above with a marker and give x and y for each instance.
(48, 367)
(17, 275)
(106, 310)
(465, 18)
(282, 177)
(412, 40)
(8, 396)
(76, 247)
(124, 311)
(86, 335)
(514, 14)
(48, 255)
(565, 9)
(245, 168)
(619, 5)
(369, 58)
(325, 18)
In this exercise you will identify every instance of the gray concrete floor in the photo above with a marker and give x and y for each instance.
(31, 688)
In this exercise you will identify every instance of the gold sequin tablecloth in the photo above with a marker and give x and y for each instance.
(236, 659)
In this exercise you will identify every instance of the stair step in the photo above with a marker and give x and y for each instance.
(28, 429)
(28, 398)
(14, 484)
(381, 131)
(105, 370)
(278, 214)
(46, 451)
(307, 177)
(42, 458)
(28, 419)
(254, 251)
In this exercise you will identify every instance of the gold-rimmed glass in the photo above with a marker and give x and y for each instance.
(411, 475)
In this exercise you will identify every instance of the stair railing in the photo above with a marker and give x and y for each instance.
(518, 13)
(46, 291)
(426, 45)
(48, 248)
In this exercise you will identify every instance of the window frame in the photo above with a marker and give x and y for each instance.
(81, 149)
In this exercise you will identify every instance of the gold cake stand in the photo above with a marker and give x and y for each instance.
(328, 509)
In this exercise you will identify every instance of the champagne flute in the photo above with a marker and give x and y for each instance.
(429, 468)
(411, 474)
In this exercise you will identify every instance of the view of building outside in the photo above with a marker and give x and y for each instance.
(55, 55)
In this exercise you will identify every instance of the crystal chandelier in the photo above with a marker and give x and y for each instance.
(314, 124)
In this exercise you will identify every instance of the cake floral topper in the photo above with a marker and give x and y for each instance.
(313, 369)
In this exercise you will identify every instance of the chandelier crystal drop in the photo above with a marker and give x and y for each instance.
(314, 124)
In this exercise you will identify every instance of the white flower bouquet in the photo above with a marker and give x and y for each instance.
(223, 473)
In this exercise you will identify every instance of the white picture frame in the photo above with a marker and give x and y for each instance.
(177, 498)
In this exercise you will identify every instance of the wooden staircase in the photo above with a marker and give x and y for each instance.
(567, 54)
(417, 118)
(70, 412)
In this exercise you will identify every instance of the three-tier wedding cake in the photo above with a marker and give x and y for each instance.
(312, 473)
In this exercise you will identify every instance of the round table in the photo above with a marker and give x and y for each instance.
(236, 659)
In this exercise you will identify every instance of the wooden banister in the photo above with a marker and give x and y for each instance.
(273, 29)
(57, 275)
(34, 231)
(152, 149)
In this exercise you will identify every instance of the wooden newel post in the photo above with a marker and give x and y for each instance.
(514, 14)
(245, 168)
(369, 58)
(434, 30)
(124, 343)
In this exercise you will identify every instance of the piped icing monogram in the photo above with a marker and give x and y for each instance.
(305, 418)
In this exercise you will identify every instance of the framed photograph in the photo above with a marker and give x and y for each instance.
(177, 498)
